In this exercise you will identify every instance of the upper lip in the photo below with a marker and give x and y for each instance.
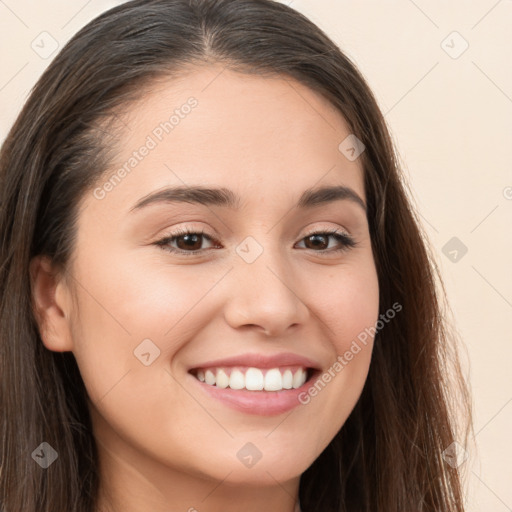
(262, 361)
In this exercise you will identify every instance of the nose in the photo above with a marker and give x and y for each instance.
(263, 296)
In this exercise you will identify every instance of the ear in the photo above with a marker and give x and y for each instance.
(50, 298)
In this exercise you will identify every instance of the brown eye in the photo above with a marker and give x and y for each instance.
(189, 243)
(185, 242)
(319, 241)
(192, 241)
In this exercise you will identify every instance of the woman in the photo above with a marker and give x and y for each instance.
(216, 294)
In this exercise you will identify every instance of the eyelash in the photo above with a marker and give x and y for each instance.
(347, 241)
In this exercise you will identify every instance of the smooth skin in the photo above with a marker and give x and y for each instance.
(164, 444)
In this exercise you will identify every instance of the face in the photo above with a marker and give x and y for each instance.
(267, 289)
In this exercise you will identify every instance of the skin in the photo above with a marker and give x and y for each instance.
(163, 443)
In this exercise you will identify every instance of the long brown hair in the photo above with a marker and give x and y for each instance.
(388, 456)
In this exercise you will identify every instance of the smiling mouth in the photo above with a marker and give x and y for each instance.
(254, 379)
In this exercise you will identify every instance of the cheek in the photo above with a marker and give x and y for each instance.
(125, 302)
(141, 295)
(348, 303)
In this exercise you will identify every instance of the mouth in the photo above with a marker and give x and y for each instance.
(258, 384)
(250, 378)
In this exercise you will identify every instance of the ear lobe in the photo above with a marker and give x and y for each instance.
(49, 306)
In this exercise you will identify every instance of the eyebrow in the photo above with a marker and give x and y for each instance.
(227, 198)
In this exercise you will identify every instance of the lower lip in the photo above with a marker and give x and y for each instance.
(262, 403)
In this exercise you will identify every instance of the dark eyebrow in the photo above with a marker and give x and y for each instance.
(227, 198)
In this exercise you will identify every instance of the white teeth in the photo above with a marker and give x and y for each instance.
(273, 380)
(299, 378)
(222, 380)
(287, 379)
(209, 377)
(254, 379)
(236, 380)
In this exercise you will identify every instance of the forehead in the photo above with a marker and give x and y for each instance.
(256, 134)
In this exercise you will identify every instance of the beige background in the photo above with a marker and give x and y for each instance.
(450, 114)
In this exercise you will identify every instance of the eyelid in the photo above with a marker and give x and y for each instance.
(214, 236)
(327, 229)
